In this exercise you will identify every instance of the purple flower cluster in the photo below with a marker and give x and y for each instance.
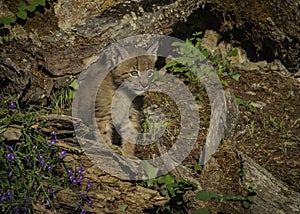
(53, 138)
(11, 155)
(54, 141)
(6, 197)
(71, 175)
(84, 198)
(42, 160)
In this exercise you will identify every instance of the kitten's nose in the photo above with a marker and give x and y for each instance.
(144, 85)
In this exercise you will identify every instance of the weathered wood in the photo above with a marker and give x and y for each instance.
(107, 191)
(273, 196)
(59, 58)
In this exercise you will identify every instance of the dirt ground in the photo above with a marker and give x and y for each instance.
(268, 130)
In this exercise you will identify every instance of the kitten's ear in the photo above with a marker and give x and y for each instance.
(153, 49)
(118, 54)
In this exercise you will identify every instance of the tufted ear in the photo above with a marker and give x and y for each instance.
(153, 49)
(118, 54)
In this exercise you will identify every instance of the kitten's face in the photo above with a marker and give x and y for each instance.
(136, 74)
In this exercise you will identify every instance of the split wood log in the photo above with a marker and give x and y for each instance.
(273, 196)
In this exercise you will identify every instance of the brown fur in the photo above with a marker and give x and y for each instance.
(131, 84)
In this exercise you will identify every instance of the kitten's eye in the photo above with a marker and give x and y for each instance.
(134, 73)
(150, 73)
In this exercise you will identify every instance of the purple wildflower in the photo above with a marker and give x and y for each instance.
(49, 168)
(51, 191)
(90, 203)
(10, 174)
(10, 156)
(53, 141)
(63, 153)
(80, 178)
(42, 160)
(17, 210)
(70, 171)
(53, 133)
(70, 174)
(10, 195)
(12, 105)
(10, 147)
(80, 170)
(88, 185)
(84, 196)
(2, 198)
(48, 205)
(27, 201)
(82, 211)
(75, 182)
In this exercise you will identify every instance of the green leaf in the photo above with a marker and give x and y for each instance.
(213, 195)
(217, 58)
(203, 210)
(233, 198)
(74, 84)
(42, 2)
(246, 204)
(31, 7)
(39, 2)
(234, 52)
(22, 6)
(236, 76)
(166, 179)
(22, 14)
(203, 195)
(250, 198)
(151, 171)
(7, 20)
(179, 202)
(122, 207)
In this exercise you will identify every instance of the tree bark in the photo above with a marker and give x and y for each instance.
(58, 59)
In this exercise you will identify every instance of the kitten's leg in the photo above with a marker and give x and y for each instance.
(106, 132)
(130, 133)
(104, 127)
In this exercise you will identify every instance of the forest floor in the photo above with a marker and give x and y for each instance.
(268, 131)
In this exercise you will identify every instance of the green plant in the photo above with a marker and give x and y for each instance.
(154, 124)
(23, 9)
(61, 100)
(172, 188)
(169, 187)
(32, 167)
(246, 104)
(246, 201)
(194, 54)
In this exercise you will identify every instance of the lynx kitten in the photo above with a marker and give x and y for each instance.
(131, 78)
